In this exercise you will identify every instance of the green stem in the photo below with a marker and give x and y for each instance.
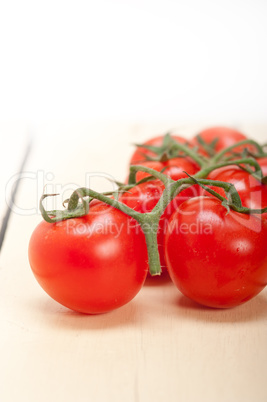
(87, 192)
(208, 147)
(57, 216)
(139, 168)
(245, 161)
(248, 211)
(190, 152)
(168, 150)
(244, 142)
(148, 221)
(228, 188)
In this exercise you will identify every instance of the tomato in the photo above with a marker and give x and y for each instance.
(215, 258)
(253, 194)
(174, 168)
(91, 264)
(263, 164)
(140, 154)
(226, 138)
(144, 197)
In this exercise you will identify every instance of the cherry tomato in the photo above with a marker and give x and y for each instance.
(174, 168)
(140, 154)
(263, 164)
(226, 138)
(91, 264)
(216, 258)
(144, 197)
(253, 194)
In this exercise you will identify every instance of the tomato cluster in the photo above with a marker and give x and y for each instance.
(209, 240)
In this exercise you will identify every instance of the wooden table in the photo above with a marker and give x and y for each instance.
(159, 347)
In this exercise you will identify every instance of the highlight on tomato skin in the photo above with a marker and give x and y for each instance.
(215, 257)
(93, 264)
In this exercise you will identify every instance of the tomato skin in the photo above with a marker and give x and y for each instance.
(91, 264)
(140, 153)
(263, 164)
(144, 197)
(252, 193)
(214, 258)
(174, 168)
(226, 137)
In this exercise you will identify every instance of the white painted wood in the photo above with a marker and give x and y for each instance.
(159, 347)
(15, 146)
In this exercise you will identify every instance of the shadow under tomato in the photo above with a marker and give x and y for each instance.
(253, 310)
(158, 280)
(60, 317)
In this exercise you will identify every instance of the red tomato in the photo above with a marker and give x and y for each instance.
(174, 168)
(140, 154)
(216, 258)
(91, 264)
(226, 138)
(263, 164)
(253, 194)
(144, 197)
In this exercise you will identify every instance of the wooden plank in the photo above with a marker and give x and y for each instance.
(12, 196)
(14, 153)
(159, 347)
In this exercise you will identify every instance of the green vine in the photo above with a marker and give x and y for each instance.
(78, 204)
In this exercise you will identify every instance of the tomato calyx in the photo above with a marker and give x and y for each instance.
(169, 149)
(209, 148)
(159, 150)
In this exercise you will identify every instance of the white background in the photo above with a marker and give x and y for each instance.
(138, 60)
